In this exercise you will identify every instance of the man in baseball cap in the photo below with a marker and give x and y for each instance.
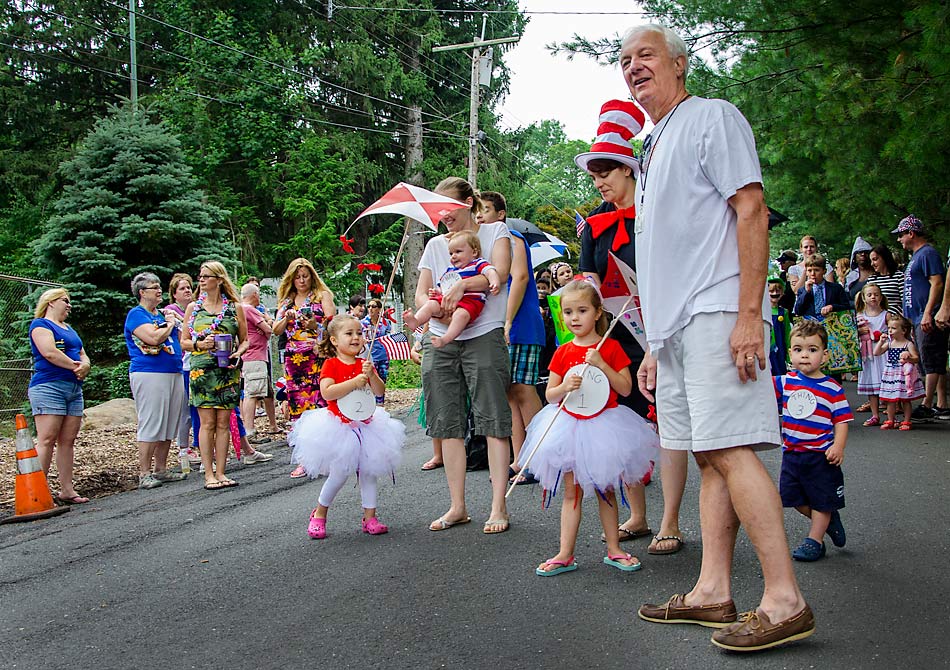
(923, 290)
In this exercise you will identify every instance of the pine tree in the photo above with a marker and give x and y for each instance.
(130, 204)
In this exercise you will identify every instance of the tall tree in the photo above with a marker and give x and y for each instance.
(130, 204)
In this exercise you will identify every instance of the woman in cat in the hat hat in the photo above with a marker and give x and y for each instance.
(610, 227)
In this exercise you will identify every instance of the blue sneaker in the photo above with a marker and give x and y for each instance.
(836, 530)
(809, 550)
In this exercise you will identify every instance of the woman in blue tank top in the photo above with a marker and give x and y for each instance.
(60, 365)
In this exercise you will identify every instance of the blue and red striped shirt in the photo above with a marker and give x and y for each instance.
(810, 408)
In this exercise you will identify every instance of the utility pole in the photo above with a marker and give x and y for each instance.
(479, 77)
(133, 65)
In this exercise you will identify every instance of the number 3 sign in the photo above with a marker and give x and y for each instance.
(358, 405)
(591, 397)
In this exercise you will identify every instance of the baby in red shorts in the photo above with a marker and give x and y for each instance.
(465, 253)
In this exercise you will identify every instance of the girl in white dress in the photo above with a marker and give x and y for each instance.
(871, 307)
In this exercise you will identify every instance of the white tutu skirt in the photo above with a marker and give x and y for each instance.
(613, 447)
(324, 445)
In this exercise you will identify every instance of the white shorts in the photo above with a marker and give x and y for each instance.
(701, 404)
(256, 381)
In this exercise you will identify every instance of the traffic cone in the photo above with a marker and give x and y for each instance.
(33, 499)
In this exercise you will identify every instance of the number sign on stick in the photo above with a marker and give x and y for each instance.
(358, 405)
(591, 397)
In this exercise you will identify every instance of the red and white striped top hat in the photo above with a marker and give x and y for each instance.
(620, 121)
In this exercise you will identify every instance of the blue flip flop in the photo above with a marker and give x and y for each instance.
(563, 566)
(614, 561)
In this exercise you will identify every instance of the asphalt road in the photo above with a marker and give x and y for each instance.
(179, 577)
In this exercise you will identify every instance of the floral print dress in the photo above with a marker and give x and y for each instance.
(212, 386)
(302, 361)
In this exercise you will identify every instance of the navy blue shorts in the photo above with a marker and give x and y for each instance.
(809, 480)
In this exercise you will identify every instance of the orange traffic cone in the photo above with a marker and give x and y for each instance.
(33, 499)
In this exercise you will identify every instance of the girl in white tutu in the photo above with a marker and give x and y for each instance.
(327, 442)
(594, 447)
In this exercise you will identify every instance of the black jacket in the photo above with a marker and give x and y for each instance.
(834, 296)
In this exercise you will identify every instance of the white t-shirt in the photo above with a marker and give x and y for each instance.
(435, 259)
(797, 270)
(687, 250)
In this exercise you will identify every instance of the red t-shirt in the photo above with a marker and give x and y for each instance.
(568, 355)
(338, 371)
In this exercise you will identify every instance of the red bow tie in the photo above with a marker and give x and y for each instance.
(599, 223)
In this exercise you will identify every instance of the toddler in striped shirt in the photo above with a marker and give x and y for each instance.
(815, 416)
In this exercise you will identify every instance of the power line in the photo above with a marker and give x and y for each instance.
(324, 104)
(491, 11)
(194, 94)
(305, 75)
(526, 184)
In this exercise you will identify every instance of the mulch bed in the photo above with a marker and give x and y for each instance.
(106, 460)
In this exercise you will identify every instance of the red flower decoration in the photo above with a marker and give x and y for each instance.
(376, 289)
(347, 244)
(373, 267)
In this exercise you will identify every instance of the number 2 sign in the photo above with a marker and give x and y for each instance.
(358, 405)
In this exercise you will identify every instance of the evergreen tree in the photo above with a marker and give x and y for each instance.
(130, 204)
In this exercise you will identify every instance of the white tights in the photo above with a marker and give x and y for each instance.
(334, 483)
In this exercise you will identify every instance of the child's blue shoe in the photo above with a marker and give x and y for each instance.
(809, 550)
(836, 530)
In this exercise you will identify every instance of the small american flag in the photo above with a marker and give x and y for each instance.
(580, 222)
(396, 346)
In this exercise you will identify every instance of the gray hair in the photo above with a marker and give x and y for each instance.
(248, 290)
(674, 43)
(140, 282)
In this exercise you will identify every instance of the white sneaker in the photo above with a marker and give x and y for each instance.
(149, 481)
(256, 457)
(193, 456)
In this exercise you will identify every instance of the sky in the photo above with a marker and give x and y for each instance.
(544, 86)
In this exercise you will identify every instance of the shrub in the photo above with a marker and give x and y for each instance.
(404, 375)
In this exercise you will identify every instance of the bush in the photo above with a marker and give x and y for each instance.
(404, 375)
(106, 383)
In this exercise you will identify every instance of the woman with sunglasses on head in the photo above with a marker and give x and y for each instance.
(215, 375)
(304, 307)
(60, 365)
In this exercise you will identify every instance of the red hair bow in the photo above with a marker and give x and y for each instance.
(373, 267)
(388, 315)
(651, 414)
(347, 244)
(376, 289)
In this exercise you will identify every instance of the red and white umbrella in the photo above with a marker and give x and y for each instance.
(414, 202)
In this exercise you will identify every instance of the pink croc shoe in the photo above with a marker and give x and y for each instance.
(374, 527)
(317, 528)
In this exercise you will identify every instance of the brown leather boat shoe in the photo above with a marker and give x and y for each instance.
(754, 631)
(677, 611)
